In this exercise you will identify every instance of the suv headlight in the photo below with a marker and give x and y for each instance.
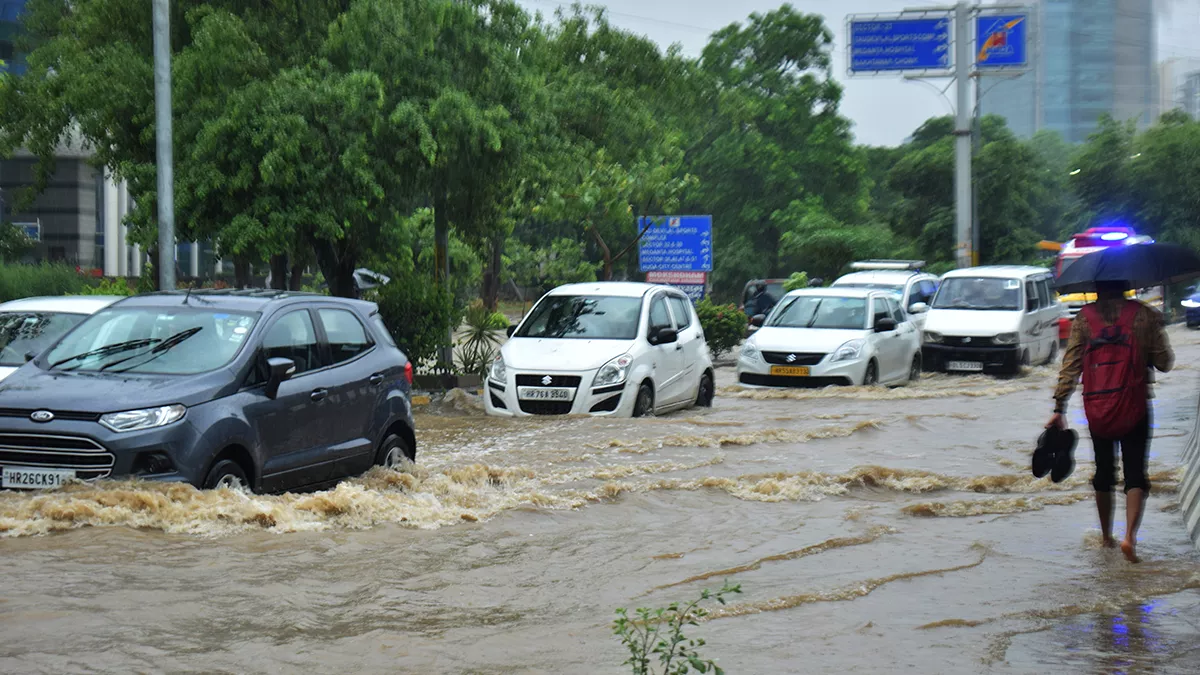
(1007, 338)
(613, 372)
(750, 351)
(849, 351)
(932, 338)
(147, 418)
(498, 371)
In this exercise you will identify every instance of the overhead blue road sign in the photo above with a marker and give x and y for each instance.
(1002, 41)
(900, 44)
(676, 244)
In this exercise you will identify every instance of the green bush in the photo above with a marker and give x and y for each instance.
(26, 281)
(724, 326)
(118, 286)
(419, 315)
(795, 282)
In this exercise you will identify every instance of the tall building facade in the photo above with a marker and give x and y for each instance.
(1090, 58)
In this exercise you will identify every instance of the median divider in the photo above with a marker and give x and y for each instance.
(1189, 496)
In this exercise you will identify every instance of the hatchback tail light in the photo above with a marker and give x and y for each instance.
(408, 372)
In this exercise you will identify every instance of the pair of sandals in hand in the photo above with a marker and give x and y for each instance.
(1055, 454)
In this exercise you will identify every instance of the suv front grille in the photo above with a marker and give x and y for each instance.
(88, 458)
(65, 415)
(799, 358)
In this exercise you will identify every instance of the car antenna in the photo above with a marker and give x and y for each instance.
(188, 295)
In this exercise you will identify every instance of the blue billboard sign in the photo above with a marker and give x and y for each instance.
(1002, 41)
(675, 244)
(900, 44)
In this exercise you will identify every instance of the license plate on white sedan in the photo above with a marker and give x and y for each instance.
(25, 478)
(546, 393)
(965, 366)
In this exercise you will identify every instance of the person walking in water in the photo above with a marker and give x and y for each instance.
(1114, 342)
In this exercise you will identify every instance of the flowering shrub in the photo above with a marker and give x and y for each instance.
(724, 326)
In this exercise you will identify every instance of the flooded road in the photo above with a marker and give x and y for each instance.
(872, 530)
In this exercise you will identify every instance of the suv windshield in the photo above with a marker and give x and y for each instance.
(815, 311)
(24, 332)
(983, 293)
(592, 317)
(167, 341)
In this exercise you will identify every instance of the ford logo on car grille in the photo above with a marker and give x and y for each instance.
(791, 358)
(547, 380)
(41, 416)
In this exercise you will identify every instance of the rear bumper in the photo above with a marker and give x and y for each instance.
(994, 358)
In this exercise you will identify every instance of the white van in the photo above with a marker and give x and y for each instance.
(992, 319)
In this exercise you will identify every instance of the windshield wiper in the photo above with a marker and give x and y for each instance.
(114, 348)
(813, 320)
(159, 349)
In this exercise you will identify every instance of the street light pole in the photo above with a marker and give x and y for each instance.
(962, 135)
(163, 141)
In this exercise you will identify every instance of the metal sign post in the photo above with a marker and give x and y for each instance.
(916, 41)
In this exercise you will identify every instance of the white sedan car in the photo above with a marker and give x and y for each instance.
(607, 348)
(30, 325)
(818, 337)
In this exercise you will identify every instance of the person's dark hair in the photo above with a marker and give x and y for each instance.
(1111, 288)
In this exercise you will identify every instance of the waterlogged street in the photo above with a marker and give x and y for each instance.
(871, 530)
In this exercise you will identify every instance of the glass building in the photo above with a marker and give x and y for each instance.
(1090, 57)
(10, 60)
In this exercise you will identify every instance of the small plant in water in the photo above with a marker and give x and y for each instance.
(657, 634)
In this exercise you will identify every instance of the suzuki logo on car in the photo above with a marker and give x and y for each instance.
(791, 358)
(41, 416)
(547, 380)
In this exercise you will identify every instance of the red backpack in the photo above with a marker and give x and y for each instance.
(1114, 374)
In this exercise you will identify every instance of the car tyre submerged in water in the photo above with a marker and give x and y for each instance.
(704, 398)
(394, 453)
(914, 371)
(227, 474)
(871, 377)
(644, 405)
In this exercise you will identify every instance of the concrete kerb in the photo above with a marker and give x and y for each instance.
(1189, 494)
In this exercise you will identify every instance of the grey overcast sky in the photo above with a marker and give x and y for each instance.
(885, 110)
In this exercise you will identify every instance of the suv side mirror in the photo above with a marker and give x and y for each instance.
(918, 308)
(885, 325)
(280, 370)
(666, 336)
(512, 329)
(29, 356)
(758, 320)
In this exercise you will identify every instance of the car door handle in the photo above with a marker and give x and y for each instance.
(376, 379)
(319, 395)
(678, 347)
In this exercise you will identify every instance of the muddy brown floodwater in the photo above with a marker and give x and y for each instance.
(872, 530)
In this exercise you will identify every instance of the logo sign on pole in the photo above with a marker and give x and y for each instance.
(899, 44)
(695, 284)
(1002, 41)
(676, 244)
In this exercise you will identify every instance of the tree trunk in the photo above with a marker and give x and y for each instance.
(441, 257)
(296, 282)
(241, 271)
(279, 271)
(491, 280)
(338, 268)
(608, 259)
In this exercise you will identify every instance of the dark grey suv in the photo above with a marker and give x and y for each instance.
(270, 390)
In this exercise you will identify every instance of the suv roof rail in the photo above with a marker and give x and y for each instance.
(903, 265)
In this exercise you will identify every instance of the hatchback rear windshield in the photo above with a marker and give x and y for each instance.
(25, 332)
(169, 341)
(585, 317)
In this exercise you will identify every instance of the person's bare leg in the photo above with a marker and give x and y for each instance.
(1135, 503)
(1104, 506)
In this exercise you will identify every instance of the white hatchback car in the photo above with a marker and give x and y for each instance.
(607, 348)
(818, 337)
(30, 325)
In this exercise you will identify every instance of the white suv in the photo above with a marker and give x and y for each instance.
(902, 277)
(608, 348)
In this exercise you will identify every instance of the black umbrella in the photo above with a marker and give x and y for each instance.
(1137, 265)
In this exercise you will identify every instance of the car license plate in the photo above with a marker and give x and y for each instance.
(29, 477)
(966, 366)
(789, 371)
(546, 393)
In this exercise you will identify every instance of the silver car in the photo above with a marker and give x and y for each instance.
(29, 325)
